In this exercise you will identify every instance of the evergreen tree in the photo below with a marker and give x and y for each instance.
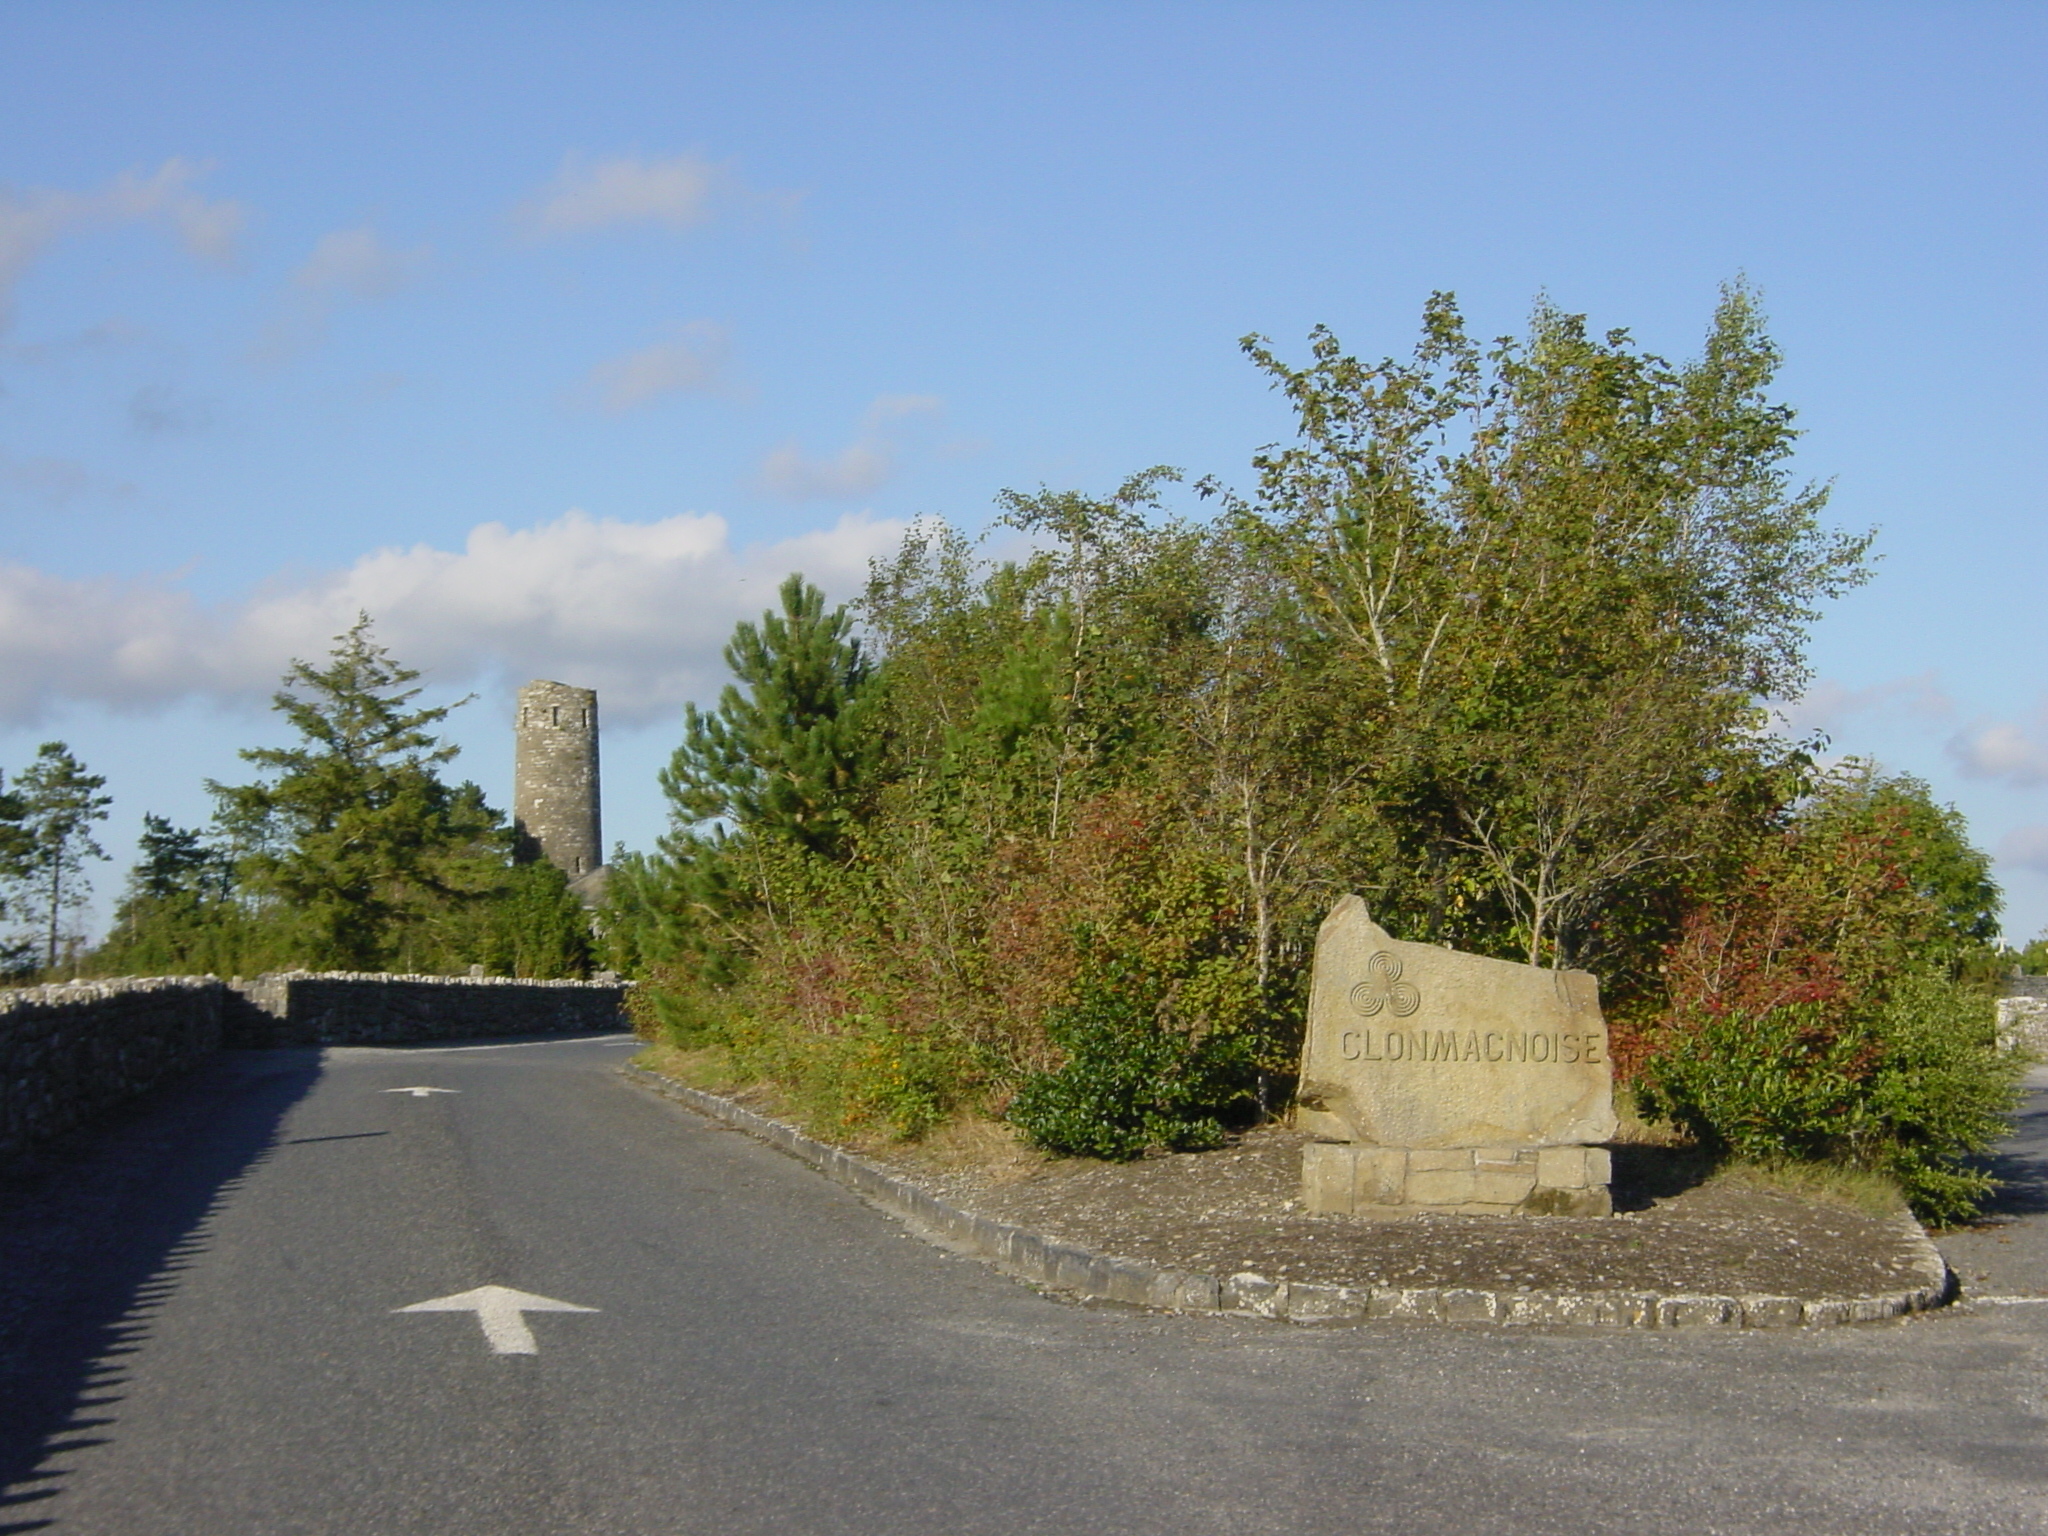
(178, 861)
(59, 803)
(790, 746)
(17, 954)
(179, 915)
(353, 832)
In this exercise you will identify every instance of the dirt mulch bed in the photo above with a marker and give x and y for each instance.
(1233, 1210)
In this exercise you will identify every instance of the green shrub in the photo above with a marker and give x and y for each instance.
(888, 1079)
(1913, 1090)
(1131, 1082)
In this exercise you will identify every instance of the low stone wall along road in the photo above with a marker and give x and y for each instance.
(371, 1291)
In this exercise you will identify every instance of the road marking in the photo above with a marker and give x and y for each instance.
(349, 1052)
(421, 1093)
(2006, 1301)
(499, 1309)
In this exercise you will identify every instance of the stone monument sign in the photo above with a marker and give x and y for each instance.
(1435, 1080)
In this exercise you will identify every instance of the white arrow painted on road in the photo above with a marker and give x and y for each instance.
(498, 1308)
(421, 1093)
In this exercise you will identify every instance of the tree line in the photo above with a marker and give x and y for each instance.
(349, 850)
(1490, 640)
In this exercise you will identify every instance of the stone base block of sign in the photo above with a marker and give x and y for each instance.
(1344, 1179)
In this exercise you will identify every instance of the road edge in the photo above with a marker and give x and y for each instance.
(1077, 1271)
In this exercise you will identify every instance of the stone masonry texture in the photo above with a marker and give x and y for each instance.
(365, 1008)
(554, 775)
(70, 1053)
(67, 1053)
(2023, 1015)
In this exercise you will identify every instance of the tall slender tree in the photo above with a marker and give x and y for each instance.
(60, 801)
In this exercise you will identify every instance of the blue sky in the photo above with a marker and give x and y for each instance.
(556, 336)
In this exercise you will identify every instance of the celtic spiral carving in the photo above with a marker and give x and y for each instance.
(1384, 988)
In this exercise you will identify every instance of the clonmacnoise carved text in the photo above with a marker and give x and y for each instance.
(1535, 1046)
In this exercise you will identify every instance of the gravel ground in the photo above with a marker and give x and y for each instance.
(1235, 1209)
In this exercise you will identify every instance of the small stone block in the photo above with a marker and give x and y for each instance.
(1564, 1168)
(1316, 1122)
(1324, 1304)
(1546, 1201)
(1381, 1177)
(1874, 1309)
(1416, 1305)
(1442, 1188)
(1585, 1311)
(1130, 1283)
(1504, 1189)
(1770, 1311)
(1629, 1309)
(1502, 1159)
(1466, 1306)
(1440, 1159)
(1525, 1308)
(1249, 1292)
(1825, 1314)
(1696, 1311)
(1328, 1178)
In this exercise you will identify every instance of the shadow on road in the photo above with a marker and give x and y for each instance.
(94, 1231)
(2021, 1163)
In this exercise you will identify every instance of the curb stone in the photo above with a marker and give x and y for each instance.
(1066, 1267)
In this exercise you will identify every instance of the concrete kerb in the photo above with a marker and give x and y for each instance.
(1064, 1267)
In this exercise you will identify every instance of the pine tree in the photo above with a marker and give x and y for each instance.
(59, 803)
(354, 832)
(790, 754)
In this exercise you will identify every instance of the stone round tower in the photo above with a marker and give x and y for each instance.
(554, 776)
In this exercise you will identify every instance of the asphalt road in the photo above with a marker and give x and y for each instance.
(198, 1334)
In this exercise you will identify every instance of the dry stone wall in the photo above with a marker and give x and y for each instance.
(364, 1008)
(2023, 1015)
(68, 1053)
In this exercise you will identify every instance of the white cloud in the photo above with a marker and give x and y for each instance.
(886, 409)
(34, 220)
(853, 471)
(639, 611)
(692, 359)
(2000, 750)
(358, 265)
(347, 265)
(864, 465)
(1827, 705)
(677, 192)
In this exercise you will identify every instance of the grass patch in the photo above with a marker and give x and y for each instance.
(992, 1150)
(1858, 1188)
(963, 1143)
(709, 1068)
(1634, 1129)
